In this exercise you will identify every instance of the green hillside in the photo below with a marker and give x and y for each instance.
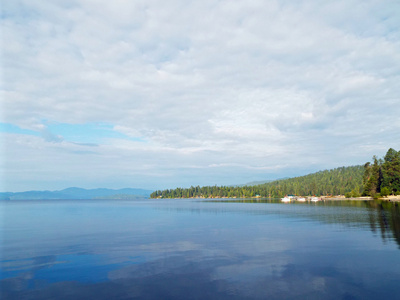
(329, 182)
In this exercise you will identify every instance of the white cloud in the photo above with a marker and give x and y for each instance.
(302, 84)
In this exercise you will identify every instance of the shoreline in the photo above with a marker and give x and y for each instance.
(322, 198)
(341, 198)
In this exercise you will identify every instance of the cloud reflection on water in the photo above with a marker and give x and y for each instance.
(197, 250)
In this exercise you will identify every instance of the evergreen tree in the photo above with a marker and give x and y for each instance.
(391, 171)
(383, 174)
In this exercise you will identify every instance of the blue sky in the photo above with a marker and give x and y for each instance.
(165, 94)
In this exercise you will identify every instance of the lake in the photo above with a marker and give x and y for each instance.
(196, 249)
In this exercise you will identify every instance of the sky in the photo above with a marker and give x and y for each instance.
(163, 94)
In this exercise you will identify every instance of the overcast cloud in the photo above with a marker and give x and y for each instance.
(161, 94)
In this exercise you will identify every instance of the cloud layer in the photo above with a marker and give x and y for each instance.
(172, 93)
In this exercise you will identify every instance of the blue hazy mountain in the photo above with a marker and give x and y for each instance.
(78, 193)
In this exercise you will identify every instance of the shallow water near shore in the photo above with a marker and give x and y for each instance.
(196, 249)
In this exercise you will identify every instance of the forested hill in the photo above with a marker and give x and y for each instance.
(329, 182)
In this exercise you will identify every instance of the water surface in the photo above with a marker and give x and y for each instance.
(193, 249)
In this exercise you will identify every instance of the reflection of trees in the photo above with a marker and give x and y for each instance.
(385, 216)
(382, 217)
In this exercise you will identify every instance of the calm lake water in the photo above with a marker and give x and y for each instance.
(193, 249)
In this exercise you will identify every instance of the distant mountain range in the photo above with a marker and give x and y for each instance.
(78, 193)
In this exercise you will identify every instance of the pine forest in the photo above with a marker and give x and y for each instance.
(379, 178)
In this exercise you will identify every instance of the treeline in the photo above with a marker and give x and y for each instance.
(382, 177)
(329, 182)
